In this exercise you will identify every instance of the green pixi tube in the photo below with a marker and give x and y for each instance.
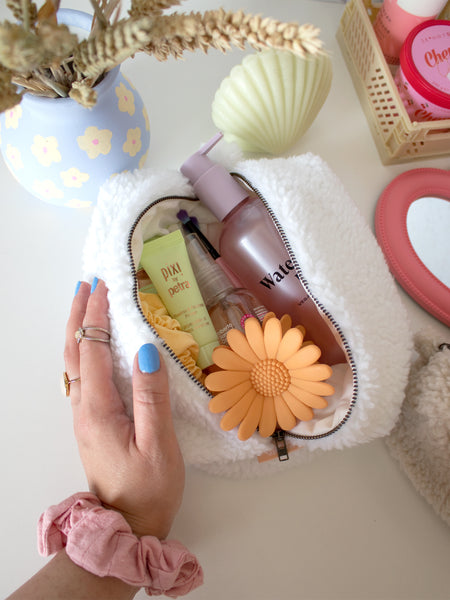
(166, 261)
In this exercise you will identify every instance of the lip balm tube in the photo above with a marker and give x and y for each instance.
(166, 261)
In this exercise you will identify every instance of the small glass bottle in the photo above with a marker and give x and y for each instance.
(227, 305)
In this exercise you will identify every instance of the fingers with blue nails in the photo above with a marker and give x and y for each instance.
(134, 465)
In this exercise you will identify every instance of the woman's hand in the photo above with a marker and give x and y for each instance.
(133, 467)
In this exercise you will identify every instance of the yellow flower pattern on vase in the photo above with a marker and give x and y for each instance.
(14, 157)
(146, 119)
(75, 203)
(143, 160)
(47, 189)
(46, 150)
(133, 144)
(126, 99)
(73, 177)
(12, 117)
(95, 141)
(44, 140)
(130, 83)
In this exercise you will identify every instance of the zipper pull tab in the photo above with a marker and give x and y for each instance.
(279, 437)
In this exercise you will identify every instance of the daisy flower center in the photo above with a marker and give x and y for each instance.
(270, 377)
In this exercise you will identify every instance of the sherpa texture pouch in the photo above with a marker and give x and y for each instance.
(420, 441)
(344, 271)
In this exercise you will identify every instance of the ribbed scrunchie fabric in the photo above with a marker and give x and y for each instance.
(102, 542)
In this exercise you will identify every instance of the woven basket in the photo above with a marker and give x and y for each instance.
(396, 137)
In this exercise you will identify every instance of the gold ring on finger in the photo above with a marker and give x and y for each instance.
(66, 383)
(80, 334)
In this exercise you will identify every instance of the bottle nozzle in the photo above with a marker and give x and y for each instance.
(212, 142)
(198, 164)
(212, 183)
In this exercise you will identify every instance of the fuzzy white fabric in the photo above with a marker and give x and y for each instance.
(420, 440)
(340, 258)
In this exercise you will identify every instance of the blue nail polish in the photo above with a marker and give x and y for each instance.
(148, 358)
(94, 284)
(77, 288)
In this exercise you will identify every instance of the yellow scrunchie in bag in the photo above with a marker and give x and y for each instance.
(181, 342)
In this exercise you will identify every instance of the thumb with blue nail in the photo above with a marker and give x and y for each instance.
(155, 436)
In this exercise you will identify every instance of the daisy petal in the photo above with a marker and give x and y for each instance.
(267, 316)
(307, 398)
(306, 356)
(289, 345)
(224, 380)
(300, 410)
(285, 418)
(316, 372)
(301, 329)
(250, 421)
(268, 421)
(255, 337)
(235, 415)
(238, 343)
(227, 359)
(272, 337)
(286, 323)
(225, 400)
(315, 387)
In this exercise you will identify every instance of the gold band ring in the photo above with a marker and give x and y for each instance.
(66, 382)
(80, 334)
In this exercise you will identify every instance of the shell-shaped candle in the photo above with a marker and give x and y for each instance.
(269, 101)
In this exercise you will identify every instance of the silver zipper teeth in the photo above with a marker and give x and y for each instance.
(303, 281)
(322, 309)
(135, 288)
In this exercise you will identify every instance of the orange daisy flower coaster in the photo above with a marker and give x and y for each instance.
(269, 378)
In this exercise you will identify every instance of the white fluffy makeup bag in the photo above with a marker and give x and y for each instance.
(346, 274)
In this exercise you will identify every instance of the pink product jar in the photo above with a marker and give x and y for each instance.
(423, 79)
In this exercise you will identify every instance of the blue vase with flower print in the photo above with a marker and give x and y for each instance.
(62, 152)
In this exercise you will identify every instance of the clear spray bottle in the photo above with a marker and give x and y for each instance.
(228, 306)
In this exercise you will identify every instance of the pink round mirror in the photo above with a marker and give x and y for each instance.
(412, 225)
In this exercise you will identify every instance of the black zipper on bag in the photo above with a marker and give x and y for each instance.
(279, 435)
(321, 308)
(279, 438)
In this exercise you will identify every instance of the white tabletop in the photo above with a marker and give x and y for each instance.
(349, 524)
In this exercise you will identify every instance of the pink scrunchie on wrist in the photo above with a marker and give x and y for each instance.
(102, 542)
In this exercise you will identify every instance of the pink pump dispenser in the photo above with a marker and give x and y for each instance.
(253, 249)
(211, 182)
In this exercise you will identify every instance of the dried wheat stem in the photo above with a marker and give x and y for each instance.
(34, 86)
(61, 90)
(111, 10)
(83, 93)
(23, 11)
(9, 94)
(26, 15)
(167, 35)
(142, 8)
(20, 50)
(101, 19)
(111, 46)
(173, 34)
